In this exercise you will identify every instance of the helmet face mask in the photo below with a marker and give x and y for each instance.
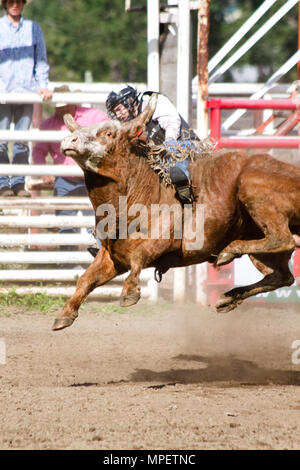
(128, 97)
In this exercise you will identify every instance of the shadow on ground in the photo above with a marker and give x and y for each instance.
(219, 369)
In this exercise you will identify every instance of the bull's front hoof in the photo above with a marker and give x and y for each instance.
(61, 323)
(128, 300)
(224, 258)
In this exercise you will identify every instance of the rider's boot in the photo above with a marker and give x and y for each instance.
(182, 185)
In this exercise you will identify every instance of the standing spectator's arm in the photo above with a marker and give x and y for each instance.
(41, 65)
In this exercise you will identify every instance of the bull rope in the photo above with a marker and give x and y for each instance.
(160, 159)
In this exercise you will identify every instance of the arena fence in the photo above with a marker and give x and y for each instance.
(22, 248)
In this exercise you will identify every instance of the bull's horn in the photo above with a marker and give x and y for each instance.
(147, 113)
(70, 122)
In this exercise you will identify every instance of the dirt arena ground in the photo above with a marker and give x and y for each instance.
(151, 377)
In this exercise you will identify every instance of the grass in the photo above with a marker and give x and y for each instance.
(42, 302)
(39, 301)
(141, 308)
(110, 309)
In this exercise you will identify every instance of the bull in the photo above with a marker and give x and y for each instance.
(251, 206)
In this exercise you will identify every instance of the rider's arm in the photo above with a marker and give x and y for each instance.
(167, 116)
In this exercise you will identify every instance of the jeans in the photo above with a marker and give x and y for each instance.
(21, 115)
(68, 187)
(183, 165)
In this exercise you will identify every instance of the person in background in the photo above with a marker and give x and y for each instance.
(23, 68)
(65, 186)
(166, 127)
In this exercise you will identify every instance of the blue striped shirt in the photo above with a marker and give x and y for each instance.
(23, 57)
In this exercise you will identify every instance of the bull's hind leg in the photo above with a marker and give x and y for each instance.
(274, 225)
(277, 274)
(98, 273)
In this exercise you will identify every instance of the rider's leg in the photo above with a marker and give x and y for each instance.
(180, 177)
(179, 172)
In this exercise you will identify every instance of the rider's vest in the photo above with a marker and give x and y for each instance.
(157, 134)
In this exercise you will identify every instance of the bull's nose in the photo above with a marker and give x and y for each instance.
(69, 143)
(69, 140)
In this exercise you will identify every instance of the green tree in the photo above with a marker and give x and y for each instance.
(271, 51)
(92, 35)
(98, 35)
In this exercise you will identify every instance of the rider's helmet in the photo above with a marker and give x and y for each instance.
(128, 96)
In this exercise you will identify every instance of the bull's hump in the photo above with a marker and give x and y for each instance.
(215, 175)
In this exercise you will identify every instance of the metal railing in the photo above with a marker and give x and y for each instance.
(216, 106)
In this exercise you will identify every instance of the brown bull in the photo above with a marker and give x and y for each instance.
(251, 206)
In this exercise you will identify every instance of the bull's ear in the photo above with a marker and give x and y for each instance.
(70, 122)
